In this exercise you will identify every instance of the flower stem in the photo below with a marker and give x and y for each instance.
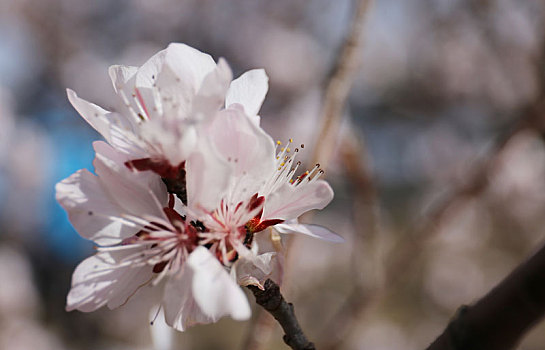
(272, 300)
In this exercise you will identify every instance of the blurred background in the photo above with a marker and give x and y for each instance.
(439, 167)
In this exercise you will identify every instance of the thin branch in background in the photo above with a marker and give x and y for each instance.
(531, 118)
(336, 93)
(272, 300)
(339, 84)
(366, 222)
(403, 256)
(501, 318)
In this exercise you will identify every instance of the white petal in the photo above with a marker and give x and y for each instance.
(127, 142)
(100, 119)
(246, 146)
(138, 193)
(289, 201)
(146, 179)
(174, 139)
(189, 64)
(207, 176)
(93, 114)
(91, 211)
(315, 231)
(253, 269)
(147, 73)
(122, 76)
(123, 80)
(214, 290)
(249, 90)
(176, 94)
(271, 241)
(162, 336)
(211, 95)
(180, 77)
(99, 281)
(181, 309)
(144, 85)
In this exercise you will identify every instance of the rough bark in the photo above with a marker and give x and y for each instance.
(272, 300)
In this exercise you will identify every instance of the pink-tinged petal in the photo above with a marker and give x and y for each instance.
(100, 280)
(216, 293)
(91, 211)
(181, 309)
(246, 146)
(249, 90)
(207, 176)
(315, 231)
(291, 200)
(138, 193)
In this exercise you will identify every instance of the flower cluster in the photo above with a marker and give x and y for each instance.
(184, 181)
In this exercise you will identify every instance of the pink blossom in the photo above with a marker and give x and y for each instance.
(217, 179)
(147, 241)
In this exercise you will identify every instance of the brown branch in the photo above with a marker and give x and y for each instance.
(366, 222)
(272, 300)
(403, 256)
(404, 253)
(339, 84)
(336, 92)
(501, 318)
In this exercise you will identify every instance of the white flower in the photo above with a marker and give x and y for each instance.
(164, 103)
(263, 190)
(148, 240)
(199, 133)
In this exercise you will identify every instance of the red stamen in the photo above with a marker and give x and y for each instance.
(160, 266)
(159, 166)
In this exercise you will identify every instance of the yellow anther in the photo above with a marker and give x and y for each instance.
(291, 140)
(282, 164)
(288, 150)
(282, 149)
(278, 142)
